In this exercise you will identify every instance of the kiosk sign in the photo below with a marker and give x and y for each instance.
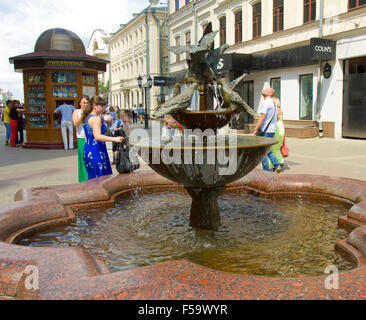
(322, 49)
(64, 64)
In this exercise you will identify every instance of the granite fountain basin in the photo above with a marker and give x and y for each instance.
(73, 273)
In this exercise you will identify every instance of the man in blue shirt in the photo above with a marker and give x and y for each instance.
(66, 111)
(267, 122)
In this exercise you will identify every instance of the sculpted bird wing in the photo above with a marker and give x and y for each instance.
(234, 83)
(207, 41)
(180, 102)
(180, 49)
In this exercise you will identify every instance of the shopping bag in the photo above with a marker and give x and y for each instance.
(126, 158)
(284, 149)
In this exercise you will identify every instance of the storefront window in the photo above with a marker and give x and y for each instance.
(276, 84)
(64, 77)
(88, 78)
(36, 98)
(248, 96)
(306, 97)
(64, 91)
(89, 91)
(36, 77)
(38, 121)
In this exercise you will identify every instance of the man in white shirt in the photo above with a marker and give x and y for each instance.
(267, 122)
(66, 111)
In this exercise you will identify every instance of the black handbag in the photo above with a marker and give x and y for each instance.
(126, 158)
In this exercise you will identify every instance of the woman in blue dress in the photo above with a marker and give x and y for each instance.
(95, 153)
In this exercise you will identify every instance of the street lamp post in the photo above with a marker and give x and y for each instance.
(146, 87)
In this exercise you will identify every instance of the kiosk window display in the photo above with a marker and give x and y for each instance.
(47, 90)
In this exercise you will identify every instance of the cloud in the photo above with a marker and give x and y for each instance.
(23, 21)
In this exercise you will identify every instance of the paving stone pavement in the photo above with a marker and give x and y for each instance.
(25, 168)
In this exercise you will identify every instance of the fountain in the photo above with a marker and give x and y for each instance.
(201, 174)
(73, 272)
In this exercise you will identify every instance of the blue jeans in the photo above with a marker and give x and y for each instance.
(270, 155)
(8, 130)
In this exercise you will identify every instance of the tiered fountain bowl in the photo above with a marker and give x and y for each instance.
(209, 119)
(204, 173)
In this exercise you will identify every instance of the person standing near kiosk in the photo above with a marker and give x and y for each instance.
(66, 111)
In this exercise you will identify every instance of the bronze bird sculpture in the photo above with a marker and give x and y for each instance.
(199, 70)
(178, 103)
(232, 100)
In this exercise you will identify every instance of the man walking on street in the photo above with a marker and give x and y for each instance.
(66, 111)
(267, 124)
(134, 114)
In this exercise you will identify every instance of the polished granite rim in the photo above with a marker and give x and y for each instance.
(73, 273)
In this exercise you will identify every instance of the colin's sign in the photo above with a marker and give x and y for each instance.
(64, 64)
(322, 49)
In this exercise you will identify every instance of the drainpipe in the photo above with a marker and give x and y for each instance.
(147, 63)
(110, 76)
(196, 96)
(195, 21)
(320, 65)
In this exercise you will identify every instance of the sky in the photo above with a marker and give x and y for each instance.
(23, 21)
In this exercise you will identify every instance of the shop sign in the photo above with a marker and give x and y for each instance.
(327, 70)
(322, 49)
(164, 81)
(64, 64)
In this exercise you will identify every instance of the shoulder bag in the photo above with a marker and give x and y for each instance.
(126, 158)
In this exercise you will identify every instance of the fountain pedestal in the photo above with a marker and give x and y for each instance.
(205, 212)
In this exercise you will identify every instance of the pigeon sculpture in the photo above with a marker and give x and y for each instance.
(232, 100)
(203, 60)
(199, 70)
(178, 103)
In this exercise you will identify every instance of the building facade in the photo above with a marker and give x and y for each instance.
(139, 48)
(4, 96)
(313, 52)
(98, 47)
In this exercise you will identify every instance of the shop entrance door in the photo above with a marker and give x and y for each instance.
(243, 119)
(354, 100)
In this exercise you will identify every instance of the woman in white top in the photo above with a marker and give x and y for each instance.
(84, 101)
